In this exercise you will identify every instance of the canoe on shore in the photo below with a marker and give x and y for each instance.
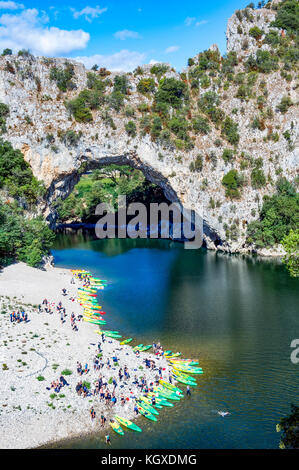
(146, 413)
(116, 427)
(128, 424)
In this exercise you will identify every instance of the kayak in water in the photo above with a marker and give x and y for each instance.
(128, 424)
(126, 341)
(116, 427)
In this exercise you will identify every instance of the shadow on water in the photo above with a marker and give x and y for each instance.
(236, 314)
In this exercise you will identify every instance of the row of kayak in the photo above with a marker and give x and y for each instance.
(163, 395)
(147, 407)
(93, 282)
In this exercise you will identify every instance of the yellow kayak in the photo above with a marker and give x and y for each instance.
(128, 424)
(116, 427)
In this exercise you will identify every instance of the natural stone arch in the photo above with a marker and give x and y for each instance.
(64, 185)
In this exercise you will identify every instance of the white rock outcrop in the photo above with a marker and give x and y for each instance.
(37, 110)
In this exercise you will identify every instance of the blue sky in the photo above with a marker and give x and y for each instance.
(117, 34)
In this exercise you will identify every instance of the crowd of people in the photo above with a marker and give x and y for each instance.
(49, 307)
(18, 316)
(105, 389)
(58, 384)
(158, 349)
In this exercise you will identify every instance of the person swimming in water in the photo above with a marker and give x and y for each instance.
(223, 413)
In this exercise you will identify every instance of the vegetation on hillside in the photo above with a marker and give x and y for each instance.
(278, 216)
(290, 244)
(20, 238)
(16, 177)
(289, 427)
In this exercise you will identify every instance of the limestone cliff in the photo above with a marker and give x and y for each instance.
(251, 98)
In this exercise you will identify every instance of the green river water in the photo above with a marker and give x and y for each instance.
(237, 315)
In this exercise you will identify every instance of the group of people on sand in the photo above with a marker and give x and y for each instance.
(46, 306)
(150, 364)
(107, 392)
(74, 320)
(58, 384)
(82, 389)
(50, 308)
(82, 370)
(18, 317)
(157, 349)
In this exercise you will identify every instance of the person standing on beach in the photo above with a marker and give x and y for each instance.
(188, 392)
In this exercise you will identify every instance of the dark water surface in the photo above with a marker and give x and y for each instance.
(238, 316)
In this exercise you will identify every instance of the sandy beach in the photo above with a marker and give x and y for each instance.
(35, 353)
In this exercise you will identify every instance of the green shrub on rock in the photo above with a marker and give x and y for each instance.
(130, 128)
(146, 85)
(232, 183)
(284, 104)
(230, 131)
(258, 179)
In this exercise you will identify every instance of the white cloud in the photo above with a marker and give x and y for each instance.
(125, 34)
(172, 49)
(189, 20)
(28, 30)
(199, 23)
(123, 60)
(89, 13)
(11, 6)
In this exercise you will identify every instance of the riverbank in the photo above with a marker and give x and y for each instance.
(36, 353)
(274, 252)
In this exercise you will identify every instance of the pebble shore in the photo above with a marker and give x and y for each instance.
(35, 353)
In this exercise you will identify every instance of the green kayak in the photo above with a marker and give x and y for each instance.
(96, 322)
(126, 341)
(110, 334)
(189, 370)
(116, 427)
(146, 414)
(167, 393)
(171, 387)
(137, 347)
(147, 407)
(128, 424)
(145, 348)
(161, 400)
(184, 376)
(184, 381)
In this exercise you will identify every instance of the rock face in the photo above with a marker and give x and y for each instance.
(37, 111)
(239, 25)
